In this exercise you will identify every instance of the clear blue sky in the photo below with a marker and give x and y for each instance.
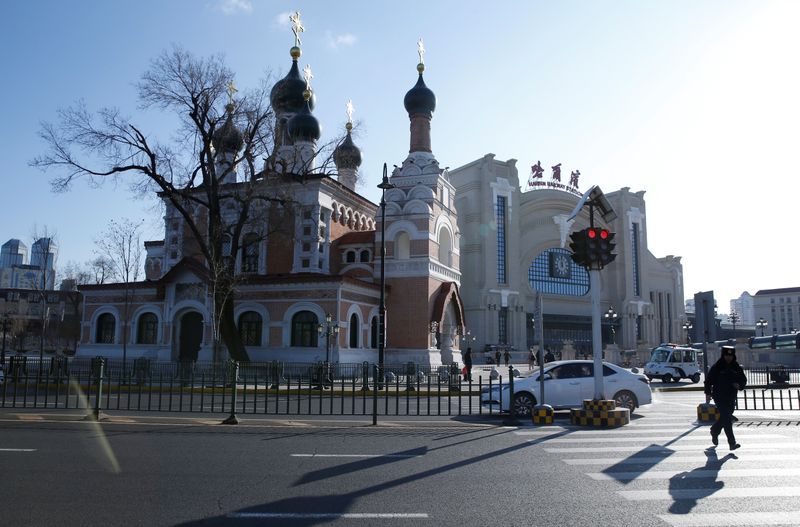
(693, 101)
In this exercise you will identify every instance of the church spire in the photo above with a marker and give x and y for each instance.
(347, 156)
(420, 102)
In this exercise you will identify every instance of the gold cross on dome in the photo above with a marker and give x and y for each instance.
(307, 75)
(421, 50)
(297, 27)
(231, 87)
(350, 110)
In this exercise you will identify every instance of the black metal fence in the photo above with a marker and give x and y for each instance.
(273, 388)
(279, 388)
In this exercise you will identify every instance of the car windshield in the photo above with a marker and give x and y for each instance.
(660, 355)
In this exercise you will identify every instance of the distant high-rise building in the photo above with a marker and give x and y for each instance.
(743, 306)
(16, 272)
(13, 252)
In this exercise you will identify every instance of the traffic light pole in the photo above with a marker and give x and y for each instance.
(597, 346)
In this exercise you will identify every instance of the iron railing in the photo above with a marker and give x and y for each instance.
(252, 388)
(281, 388)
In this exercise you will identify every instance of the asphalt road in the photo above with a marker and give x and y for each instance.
(169, 469)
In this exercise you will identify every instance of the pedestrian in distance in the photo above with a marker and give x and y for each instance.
(725, 378)
(497, 357)
(531, 359)
(507, 357)
(549, 357)
(468, 364)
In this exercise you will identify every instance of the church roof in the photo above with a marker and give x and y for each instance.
(356, 237)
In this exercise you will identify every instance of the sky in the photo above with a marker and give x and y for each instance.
(694, 102)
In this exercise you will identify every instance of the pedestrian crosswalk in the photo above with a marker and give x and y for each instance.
(664, 463)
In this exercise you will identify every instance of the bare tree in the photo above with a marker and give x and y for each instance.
(42, 250)
(183, 167)
(101, 270)
(121, 245)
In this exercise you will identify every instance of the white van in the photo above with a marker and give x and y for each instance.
(670, 362)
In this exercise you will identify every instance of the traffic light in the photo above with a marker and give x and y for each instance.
(593, 248)
(606, 246)
(578, 247)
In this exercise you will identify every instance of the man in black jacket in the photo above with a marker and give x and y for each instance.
(724, 380)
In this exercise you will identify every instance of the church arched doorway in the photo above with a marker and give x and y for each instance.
(190, 336)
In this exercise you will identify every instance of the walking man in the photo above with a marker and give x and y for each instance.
(468, 364)
(724, 380)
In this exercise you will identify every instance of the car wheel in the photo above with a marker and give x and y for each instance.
(523, 404)
(696, 377)
(666, 378)
(626, 399)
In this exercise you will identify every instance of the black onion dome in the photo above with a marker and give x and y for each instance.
(303, 126)
(420, 98)
(347, 154)
(287, 94)
(228, 138)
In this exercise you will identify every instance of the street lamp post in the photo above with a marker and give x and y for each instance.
(762, 323)
(611, 317)
(384, 185)
(734, 318)
(686, 327)
(6, 322)
(468, 339)
(331, 327)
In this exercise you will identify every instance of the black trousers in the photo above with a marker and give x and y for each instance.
(724, 422)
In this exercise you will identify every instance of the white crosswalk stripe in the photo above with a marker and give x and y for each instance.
(732, 518)
(665, 462)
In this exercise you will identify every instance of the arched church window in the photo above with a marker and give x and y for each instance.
(373, 333)
(444, 247)
(147, 329)
(402, 246)
(106, 326)
(304, 329)
(250, 328)
(364, 257)
(250, 253)
(351, 256)
(354, 328)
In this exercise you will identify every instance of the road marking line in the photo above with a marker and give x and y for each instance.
(17, 450)
(694, 473)
(703, 437)
(711, 493)
(731, 518)
(675, 458)
(329, 515)
(768, 447)
(357, 455)
(624, 431)
(29, 417)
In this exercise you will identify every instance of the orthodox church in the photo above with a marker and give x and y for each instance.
(310, 292)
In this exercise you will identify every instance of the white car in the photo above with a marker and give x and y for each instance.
(567, 383)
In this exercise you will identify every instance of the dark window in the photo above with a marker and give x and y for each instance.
(373, 337)
(147, 329)
(354, 328)
(250, 328)
(304, 329)
(364, 256)
(502, 325)
(106, 325)
(637, 288)
(351, 256)
(250, 254)
(500, 216)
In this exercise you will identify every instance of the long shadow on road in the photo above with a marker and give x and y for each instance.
(336, 506)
